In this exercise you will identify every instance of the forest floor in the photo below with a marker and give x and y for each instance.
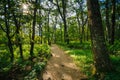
(61, 67)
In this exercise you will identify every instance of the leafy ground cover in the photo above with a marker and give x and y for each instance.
(24, 69)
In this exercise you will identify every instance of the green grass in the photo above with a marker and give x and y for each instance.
(82, 58)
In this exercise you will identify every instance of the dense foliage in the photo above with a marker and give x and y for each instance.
(29, 27)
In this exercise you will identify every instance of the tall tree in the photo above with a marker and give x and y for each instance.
(48, 27)
(81, 19)
(33, 28)
(17, 24)
(62, 10)
(64, 4)
(7, 29)
(113, 22)
(101, 58)
(107, 20)
(48, 22)
(40, 22)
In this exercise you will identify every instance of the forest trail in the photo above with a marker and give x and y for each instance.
(61, 67)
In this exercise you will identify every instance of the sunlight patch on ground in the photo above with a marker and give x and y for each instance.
(47, 76)
(66, 77)
(56, 65)
(78, 57)
(70, 65)
(67, 51)
(55, 55)
(73, 56)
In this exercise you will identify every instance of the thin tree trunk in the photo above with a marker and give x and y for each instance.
(61, 34)
(107, 21)
(63, 16)
(48, 30)
(40, 32)
(18, 35)
(113, 22)
(87, 34)
(82, 22)
(41, 35)
(40, 25)
(33, 29)
(66, 38)
(78, 26)
(55, 34)
(55, 29)
(10, 45)
(17, 24)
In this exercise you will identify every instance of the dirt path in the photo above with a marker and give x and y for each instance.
(61, 67)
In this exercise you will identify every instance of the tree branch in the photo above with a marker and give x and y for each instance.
(56, 4)
(85, 21)
(2, 28)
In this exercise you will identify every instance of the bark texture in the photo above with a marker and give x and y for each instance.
(101, 58)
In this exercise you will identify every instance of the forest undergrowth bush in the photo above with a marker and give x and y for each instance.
(24, 69)
(115, 48)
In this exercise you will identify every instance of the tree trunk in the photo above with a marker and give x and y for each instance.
(10, 45)
(33, 29)
(101, 58)
(55, 34)
(48, 30)
(18, 39)
(113, 22)
(63, 16)
(54, 28)
(40, 23)
(17, 30)
(61, 32)
(40, 33)
(82, 22)
(78, 21)
(107, 21)
(87, 33)
(66, 37)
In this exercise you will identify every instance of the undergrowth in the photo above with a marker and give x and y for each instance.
(24, 69)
